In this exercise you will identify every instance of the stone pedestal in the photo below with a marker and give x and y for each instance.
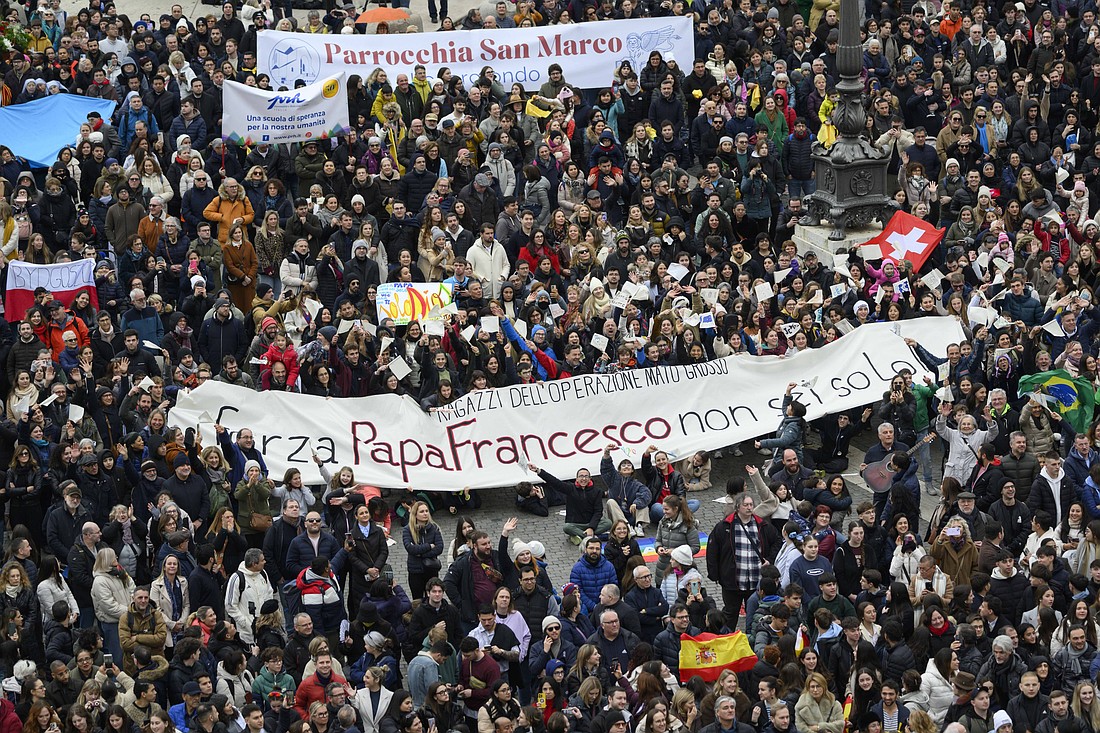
(816, 239)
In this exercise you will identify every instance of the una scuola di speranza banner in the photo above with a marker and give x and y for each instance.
(586, 52)
(317, 111)
(485, 439)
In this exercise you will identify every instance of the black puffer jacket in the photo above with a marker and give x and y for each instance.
(797, 163)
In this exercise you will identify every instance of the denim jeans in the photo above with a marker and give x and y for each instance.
(924, 457)
(797, 189)
(275, 282)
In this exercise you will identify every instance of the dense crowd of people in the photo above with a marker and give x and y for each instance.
(155, 583)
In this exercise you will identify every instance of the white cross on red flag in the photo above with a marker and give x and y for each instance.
(906, 237)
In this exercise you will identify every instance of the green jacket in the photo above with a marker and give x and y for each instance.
(923, 394)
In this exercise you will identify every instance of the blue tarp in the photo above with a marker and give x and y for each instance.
(38, 130)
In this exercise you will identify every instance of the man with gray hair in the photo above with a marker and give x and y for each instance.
(143, 318)
(1004, 668)
(81, 560)
(648, 602)
(611, 600)
(725, 718)
(246, 592)
(1007, 419)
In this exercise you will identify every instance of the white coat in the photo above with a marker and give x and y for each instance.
(242, 604)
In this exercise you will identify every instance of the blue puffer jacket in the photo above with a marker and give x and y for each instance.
(1022, 308)
(590, 577)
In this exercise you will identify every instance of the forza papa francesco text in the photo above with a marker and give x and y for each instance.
(559, 426)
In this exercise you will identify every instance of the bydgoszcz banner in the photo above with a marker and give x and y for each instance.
(316, 111)
(486, 438)
(587, 52)
(404, 302)
(64, 281)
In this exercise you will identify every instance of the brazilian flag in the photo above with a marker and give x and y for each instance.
(1073, 397)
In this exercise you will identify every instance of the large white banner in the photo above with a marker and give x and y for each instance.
(316, 111)
(560, 425)
(587, 52)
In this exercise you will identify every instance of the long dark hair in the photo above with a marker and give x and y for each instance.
(460, 539)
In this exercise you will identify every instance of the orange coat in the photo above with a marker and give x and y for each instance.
(224, 210)
(241, 262)
(150, 230)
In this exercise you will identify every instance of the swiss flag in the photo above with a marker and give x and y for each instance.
(906, 238)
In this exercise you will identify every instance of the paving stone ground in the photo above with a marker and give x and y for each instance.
(498, 505)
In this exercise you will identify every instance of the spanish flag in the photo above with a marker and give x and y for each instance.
(707, 655)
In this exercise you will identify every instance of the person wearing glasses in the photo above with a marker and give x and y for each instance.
(315, 542)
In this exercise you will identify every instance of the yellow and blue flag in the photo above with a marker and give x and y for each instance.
(1074, 398)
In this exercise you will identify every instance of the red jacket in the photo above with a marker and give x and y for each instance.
(55, 334)
(9, 721)
(310, 691)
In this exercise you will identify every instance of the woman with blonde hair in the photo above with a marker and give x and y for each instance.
(683, 710)
(168, 593)
(727, 685)
(1085, 705)
(587, 666)
(921, 722)
(112, 589)
(817, 711)
(423, 542)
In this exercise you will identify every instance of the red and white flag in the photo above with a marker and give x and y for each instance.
(64, 281)
(905, 238)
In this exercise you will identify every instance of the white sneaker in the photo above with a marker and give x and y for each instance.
(737, 452)
(763, 451)
(639, 530)
(718, 454)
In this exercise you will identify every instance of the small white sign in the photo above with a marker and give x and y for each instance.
(781, 275)
(678, 271)
(399, 368)
(490, 324)
(1054, 328)
(764, 291)
(599, 342)
(932, 279)
(871, 252)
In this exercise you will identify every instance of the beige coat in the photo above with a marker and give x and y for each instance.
(826, 714)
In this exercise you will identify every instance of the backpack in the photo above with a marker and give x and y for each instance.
(293, 597)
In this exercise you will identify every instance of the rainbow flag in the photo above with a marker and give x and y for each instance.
(707, 655)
